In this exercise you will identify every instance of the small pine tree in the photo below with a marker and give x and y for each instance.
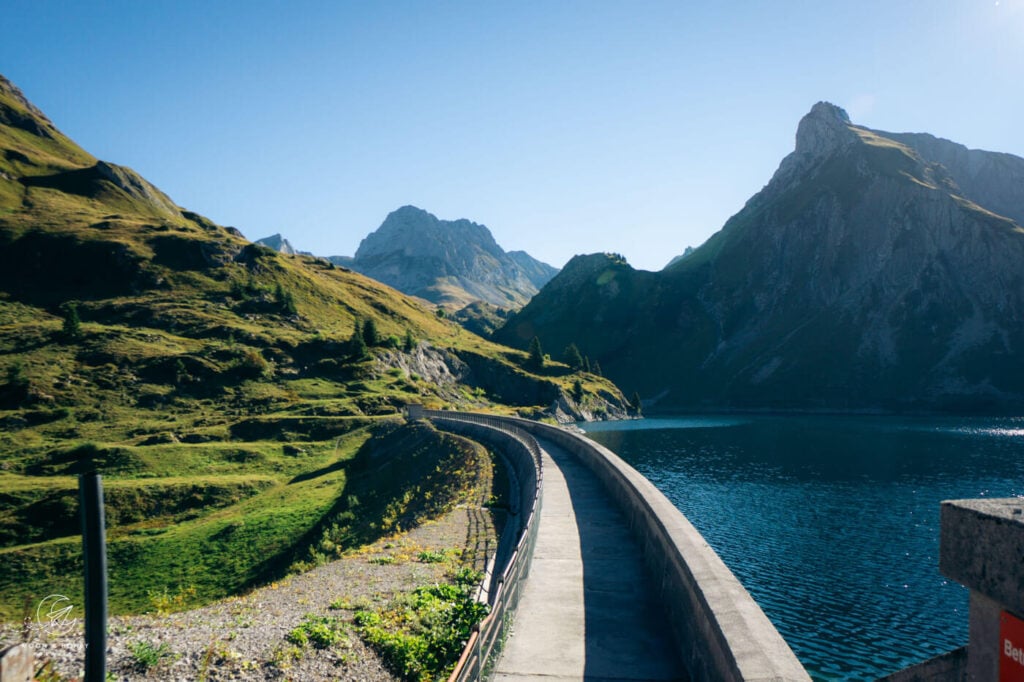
(285, 300)
(535, 358)
(636, 402)
(409, 345)
(370, 334)
(586, 364)
(597, 368)
(72, 326)
(357, 344)
(572, 356)
(577, 391)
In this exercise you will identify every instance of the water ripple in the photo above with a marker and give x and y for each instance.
(831, 523)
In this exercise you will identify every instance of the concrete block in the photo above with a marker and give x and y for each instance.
(982, 548)
(983, 648)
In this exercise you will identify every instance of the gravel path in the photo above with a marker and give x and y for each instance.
(243, 638)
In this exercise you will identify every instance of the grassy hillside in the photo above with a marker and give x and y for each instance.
(259, 511)
(212, 381)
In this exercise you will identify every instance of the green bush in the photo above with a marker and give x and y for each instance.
(420, 636)
(148, 655)
(322, 632)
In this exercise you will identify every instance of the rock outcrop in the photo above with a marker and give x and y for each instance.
(277, 243)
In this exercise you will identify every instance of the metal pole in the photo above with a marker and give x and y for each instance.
(94, 550)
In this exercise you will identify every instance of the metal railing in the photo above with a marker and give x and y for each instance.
(523, 453)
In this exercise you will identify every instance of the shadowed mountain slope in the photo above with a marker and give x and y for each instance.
(874, 271)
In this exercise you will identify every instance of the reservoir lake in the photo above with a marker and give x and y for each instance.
(832, 522)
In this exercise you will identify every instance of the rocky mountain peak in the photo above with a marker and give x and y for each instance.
(451, 262)
(823, 130)
(413, 231)
(875, 270)
(277, 243)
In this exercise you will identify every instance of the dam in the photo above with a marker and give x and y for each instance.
(606, 578)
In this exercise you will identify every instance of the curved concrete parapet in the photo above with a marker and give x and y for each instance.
(512, 560)
(522, 459)
(721, 631)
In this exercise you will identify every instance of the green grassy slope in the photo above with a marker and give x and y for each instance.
(184, 540)
(212, 381)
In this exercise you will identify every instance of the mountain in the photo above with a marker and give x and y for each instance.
(215, 383)
(77, 232)
(686, 252)
(277, 243)
(448, 262)
(874, 271)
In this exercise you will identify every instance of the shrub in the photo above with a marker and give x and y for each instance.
(322, 632)
(421, 635)
(148, 655)
(251, 364)
(431, 557)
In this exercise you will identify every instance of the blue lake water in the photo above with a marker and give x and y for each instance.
(832, 523)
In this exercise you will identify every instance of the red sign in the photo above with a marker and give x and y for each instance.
(1011, 648)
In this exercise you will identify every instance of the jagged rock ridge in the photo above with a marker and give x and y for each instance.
(448, 262)
(874, 271)
(278, 243)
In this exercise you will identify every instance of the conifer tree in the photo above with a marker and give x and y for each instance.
(285, 299)
(571, 356)
(357, 344)
(636, 402)
(536, 355)
(410, 342)
(577, 391)
(597, 368)
(72, 326)
(370, 335)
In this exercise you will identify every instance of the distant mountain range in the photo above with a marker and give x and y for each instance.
(452, 263)
(875, 271)
(448, 262)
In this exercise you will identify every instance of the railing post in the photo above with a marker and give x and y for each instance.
(94, 551)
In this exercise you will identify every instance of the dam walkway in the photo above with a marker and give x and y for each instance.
(600, 577)
(587, 610)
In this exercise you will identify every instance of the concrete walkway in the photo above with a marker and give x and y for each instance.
(586, 611)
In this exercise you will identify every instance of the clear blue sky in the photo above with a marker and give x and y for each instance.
(565, 127)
